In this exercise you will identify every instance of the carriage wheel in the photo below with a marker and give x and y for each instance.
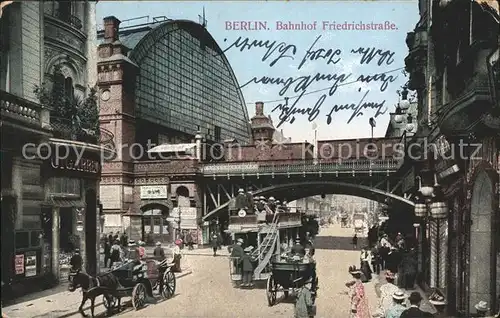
(169, 284)
(109, 302)
(139, 295)
(271, 290)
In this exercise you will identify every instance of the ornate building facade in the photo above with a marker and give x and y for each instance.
(163, 85)
(454, 171)
(50, 152)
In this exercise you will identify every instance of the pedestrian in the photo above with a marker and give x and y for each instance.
(375, 260)
(387, 290)
(189, 241)
(366, 261)
(214, 242)
(304, 306)
(410, 268)
(397, 307)
(158, 252)
(247, 266)
(141, 250)
(123, 239)
(236, 254)
(76, 261)
(414, 311)
(107, 252)
(176, 251)
(355, 241)
(482, 309)
(110, 238)
(116, 253)
(359, 302)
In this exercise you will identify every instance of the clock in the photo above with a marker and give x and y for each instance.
(105, 95)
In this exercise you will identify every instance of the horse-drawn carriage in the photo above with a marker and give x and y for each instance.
(290, 275)
(139, 280)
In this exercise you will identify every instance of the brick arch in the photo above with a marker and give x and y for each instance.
(155, 205)
(298, 190)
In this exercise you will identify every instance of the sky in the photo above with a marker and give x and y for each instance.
(340, 62)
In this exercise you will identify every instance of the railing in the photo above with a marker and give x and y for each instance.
(64, 128)
(245, 220)
(301, 166)
(69, 19)
(166, 167)
(22, 109)
(284, 217)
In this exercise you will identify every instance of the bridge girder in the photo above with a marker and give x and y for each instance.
(295, 190)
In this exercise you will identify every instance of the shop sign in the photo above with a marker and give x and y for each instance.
(19, 264)
(82, 165)
(154, 192)
(30, 268)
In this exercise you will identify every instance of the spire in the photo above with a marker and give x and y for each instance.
(202, 19)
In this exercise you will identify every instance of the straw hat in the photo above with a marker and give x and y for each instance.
(241, 191)
(248, 249)
(399, 295)
(240, 240)
(353, 270)
(482, 306)
(389, 275)
(131, 243)
(158, 243)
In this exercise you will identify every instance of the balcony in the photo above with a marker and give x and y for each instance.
(19, 111)
(69, 19)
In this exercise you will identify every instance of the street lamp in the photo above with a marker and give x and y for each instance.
(404, 104)
(79, 219)
(432, 199)
(416, 226)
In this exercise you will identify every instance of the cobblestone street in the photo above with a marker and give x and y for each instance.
(209, 293)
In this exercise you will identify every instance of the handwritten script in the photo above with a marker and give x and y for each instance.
(294, 88)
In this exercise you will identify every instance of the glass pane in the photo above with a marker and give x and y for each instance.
(157, 221)
(35, 238)
(22, 240)
(146, 221)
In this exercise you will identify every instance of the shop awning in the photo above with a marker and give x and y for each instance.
(173, 148)
(64, 203)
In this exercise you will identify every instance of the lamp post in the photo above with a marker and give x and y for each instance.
(430, 205)
(372, 123)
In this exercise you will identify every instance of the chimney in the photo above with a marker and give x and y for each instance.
(259, 109)
(111, 25)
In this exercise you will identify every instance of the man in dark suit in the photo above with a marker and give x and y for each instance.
(414, 311)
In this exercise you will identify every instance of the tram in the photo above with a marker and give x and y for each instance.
(269, 227)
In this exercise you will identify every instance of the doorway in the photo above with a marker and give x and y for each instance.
(481, 212)
(91, 253)
(155, 226)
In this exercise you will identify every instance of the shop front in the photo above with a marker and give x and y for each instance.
(155, 208)
(70, 211)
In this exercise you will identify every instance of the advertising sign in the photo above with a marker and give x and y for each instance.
(19, 264)
(30, 267)
(154, 192)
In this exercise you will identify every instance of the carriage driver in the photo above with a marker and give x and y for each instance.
(298, 249)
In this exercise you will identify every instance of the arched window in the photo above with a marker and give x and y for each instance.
(69, 90)
(65, 10)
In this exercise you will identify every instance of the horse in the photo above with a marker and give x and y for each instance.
(92, 287)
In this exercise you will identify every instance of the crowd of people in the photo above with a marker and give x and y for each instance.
(399, 260)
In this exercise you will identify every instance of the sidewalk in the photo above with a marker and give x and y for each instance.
(58, 301)
(379, 280)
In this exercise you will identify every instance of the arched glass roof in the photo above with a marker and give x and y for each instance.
(185, 82)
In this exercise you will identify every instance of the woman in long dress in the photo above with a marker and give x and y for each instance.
(366, 261)
(359, 302)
